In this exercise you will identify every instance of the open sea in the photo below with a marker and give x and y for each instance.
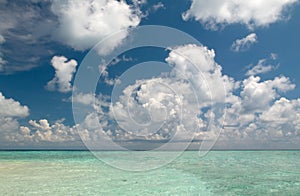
(217, 173)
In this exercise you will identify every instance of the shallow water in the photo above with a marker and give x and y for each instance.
(218, 173)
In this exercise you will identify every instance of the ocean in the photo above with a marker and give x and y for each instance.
(217, 173)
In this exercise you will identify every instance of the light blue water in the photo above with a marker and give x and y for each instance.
(218, 173)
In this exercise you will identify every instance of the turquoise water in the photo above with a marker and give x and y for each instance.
(218, 173)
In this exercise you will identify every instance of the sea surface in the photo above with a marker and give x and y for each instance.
(217, 173)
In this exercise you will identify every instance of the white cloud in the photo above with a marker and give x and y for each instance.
(43, 131)
(261, 117)
(260, 68)
(244, 43)
(64, 71)
(263, 66)
(10, 112)
(156, 105)
(86, 99)
(256, 13)
(257, 96)
(82, 24)
(197, 64)
(283, 111)
(155, 108)
(12, 108)
(278, 126)
(158, 108)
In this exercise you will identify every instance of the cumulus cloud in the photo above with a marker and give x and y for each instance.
(12, 108)
(154, 105)
(263, 66)
(256, 95)
(42, 131)
(10, 112)
(162, 107)
(169, 105)
(244, 43)
(64, 71)
(257, 13)
(187, 103)
(256, 113)
(82, 24)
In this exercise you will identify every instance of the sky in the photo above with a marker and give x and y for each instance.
(149, 74)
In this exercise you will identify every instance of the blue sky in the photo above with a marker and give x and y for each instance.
(250, 48)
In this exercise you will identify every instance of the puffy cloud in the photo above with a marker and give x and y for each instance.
(262, 66)
(84, 23)
(64, 71)
(12, 108)
(261, 118)
(256, 96)
(42, 131)
(10, 112)
(189, 102)
(157, 108)
(197, 64)
(278, 126)
(283, 111)
(257, 13)
(244, 43)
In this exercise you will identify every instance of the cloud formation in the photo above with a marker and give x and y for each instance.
(244, 43)
(263, 66)
(42, 131)
(12, 108)
(32, 26)
(164, 106)
(214, 14)
(82, 24)
(64, 71)
(189, 102)
(10, 112)
(179, 105)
